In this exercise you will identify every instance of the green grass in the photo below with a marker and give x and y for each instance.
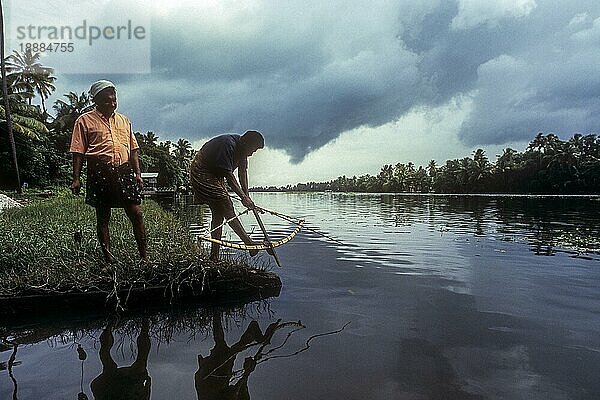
(38, 252)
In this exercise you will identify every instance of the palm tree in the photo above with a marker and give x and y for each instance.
(537, 144)
(506, 167)
(6, 100)
(410, 176)
(68, 111)
(400, 177)
(447, 179)
(182, 152)
(432, 168)
(535, 149)
(24, 119)
(506, 161)
(465, 166)
(551, 143)
(164, 146)
(38, 78)
(150, 139)
(481, 167)
(386, 178)
(422, 181)
(591, 147)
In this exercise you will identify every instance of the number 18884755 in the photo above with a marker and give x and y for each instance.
(53, 47)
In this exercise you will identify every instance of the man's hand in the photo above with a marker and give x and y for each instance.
(75, 187)
(248, 203)
(139, 180)
(77, 164)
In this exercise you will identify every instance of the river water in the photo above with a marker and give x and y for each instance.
(428, 297)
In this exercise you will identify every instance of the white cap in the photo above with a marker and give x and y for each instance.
(98, 86)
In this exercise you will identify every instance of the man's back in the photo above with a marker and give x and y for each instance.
(220, 154)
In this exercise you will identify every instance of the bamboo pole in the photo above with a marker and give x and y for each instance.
(262, 227)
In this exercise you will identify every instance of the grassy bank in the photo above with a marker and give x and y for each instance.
(39, 252)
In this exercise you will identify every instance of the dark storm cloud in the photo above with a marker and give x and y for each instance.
(301, 79)
(550, 85)
(305, 73)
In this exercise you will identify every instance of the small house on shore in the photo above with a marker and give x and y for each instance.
(152, 189)
(150, 182)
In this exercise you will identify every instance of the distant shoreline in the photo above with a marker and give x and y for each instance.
(595, 196)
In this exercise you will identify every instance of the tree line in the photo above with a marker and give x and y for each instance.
(548, 165)
(42, 138)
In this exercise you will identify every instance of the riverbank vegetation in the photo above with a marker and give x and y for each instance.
(50, 247)
(549, 165)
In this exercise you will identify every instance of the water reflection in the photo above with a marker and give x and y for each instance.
(117, 351)
(130, 382)
(549, 224)
(426, 373)
(10, 364)
(215, 378)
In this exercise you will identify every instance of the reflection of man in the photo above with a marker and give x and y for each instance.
(213, 165)
(131, 383)
(216, 370)
(105, 139)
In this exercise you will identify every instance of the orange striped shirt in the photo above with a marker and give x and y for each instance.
(96, 135)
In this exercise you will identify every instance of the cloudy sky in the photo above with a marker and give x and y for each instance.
(343, 87)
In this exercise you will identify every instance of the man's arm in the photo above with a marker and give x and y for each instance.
(135, 164)
(78, 149)
(233, 183)
(77, 165)
(243, 176)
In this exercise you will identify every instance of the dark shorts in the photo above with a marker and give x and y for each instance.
(111, 186)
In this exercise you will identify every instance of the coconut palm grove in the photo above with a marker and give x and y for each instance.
(548, 165)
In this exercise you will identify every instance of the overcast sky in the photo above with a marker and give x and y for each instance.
(343, 87)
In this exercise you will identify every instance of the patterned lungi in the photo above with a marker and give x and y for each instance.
(208, 187)
(111, 186)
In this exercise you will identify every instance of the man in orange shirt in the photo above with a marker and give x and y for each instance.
(104, 138)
